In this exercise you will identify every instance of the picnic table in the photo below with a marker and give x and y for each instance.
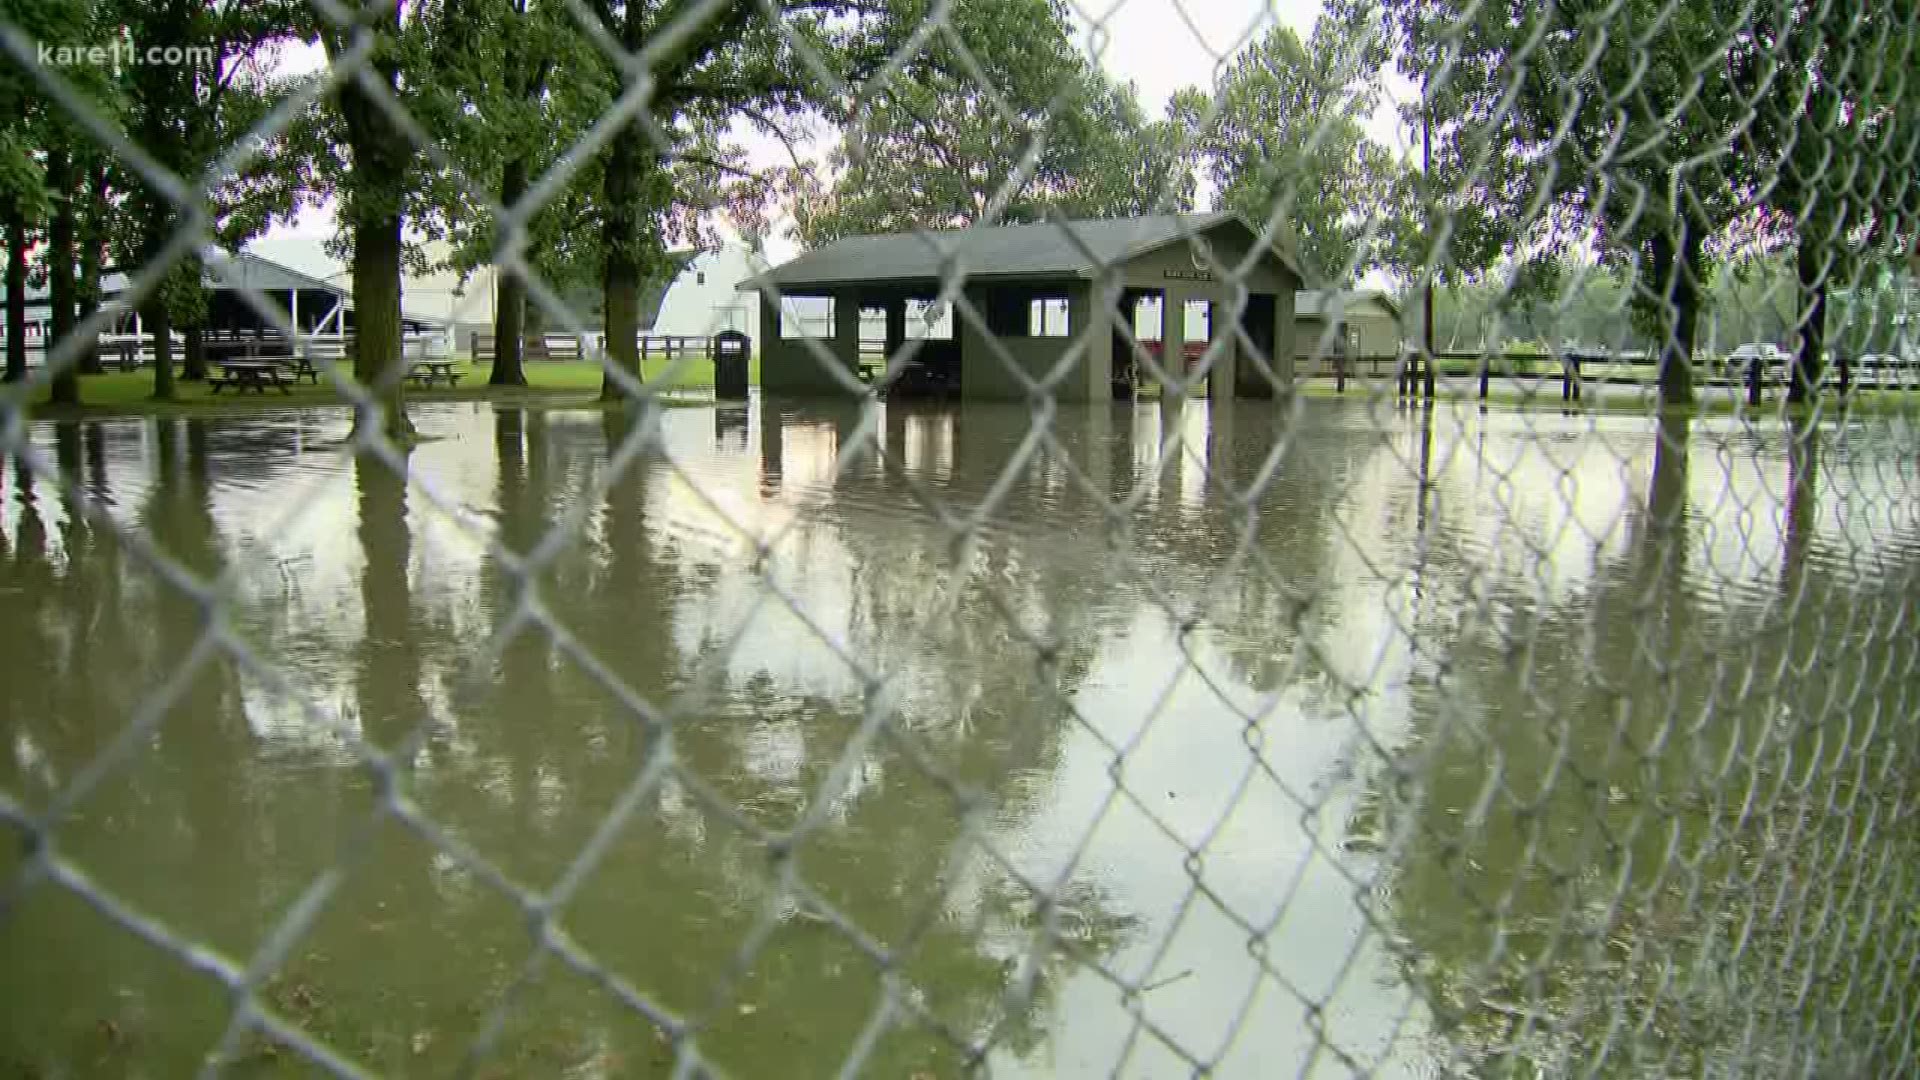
(428, 372)
(296, 367)
(255, 375)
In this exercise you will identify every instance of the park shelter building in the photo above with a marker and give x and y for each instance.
(1049, 297)
(1364, 324)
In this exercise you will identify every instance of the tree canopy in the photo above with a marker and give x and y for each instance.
(1283, 140)
(1669, 142)
(1581, 123)
(1003, 120)
(1832, 116)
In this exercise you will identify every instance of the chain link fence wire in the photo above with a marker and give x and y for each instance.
(1531, 695)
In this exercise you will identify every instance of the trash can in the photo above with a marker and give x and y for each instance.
(730, 350)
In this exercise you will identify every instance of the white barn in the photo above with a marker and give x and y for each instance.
(705, 300)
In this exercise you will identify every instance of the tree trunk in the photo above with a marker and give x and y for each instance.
(193, 362)
(158, 322)
(378, 362)
(622, 277)
(622, 321)
(509, 316)
(62, 289)
(388, 686)
(193, 359)
(1676, 385)
(92, 236)
(382, 159)
(1675, 279)
(1804, 384)
(16, 293)
(625, 187)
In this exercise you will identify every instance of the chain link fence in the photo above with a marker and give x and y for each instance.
(1445, 610)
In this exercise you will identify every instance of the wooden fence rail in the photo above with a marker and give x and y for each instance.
(569, 347)
(1631, 370)
(127, 352)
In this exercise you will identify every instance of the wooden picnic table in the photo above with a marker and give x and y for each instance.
(428, 372)
(296, 367)
(255, 375)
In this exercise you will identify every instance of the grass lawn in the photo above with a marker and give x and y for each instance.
(568, 382)
(576, 383)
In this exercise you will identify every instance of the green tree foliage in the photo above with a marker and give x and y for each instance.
(509, 100)
(1283, 141)
(664, 173)
(1749, 296)
(186, 116)
(23, 190)
(1587, 122)
(364, 161)
(1833, 123)
(1003, 120)
(46, 143)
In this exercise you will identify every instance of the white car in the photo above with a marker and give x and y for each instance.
(1770, 356)
(1757, 350)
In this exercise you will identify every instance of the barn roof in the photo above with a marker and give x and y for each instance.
(222, 270)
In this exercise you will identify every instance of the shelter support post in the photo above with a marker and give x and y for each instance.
(896, 309)
(1090, 321)
(1173, 348)
(1223, 379)
(1283, 346)
(846, 328)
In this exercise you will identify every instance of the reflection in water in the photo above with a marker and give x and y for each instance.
(1622, 791)
(1370, 732)
(388, 697)
(1803, 476)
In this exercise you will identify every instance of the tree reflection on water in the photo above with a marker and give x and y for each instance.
(1059, 790)
(773, 961)
(1637, 834)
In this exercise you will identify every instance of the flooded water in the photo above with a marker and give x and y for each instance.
(1064, 758)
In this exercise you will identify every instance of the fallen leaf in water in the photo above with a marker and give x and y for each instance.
(747, 1009)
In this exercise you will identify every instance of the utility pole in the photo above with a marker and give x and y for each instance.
(1426, 185)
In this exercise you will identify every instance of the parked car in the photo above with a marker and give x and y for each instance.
(1734, 366)
(1757, 350)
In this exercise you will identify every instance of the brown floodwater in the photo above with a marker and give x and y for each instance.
(794, 742)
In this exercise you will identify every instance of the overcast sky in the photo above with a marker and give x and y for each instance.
(1164, 45)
